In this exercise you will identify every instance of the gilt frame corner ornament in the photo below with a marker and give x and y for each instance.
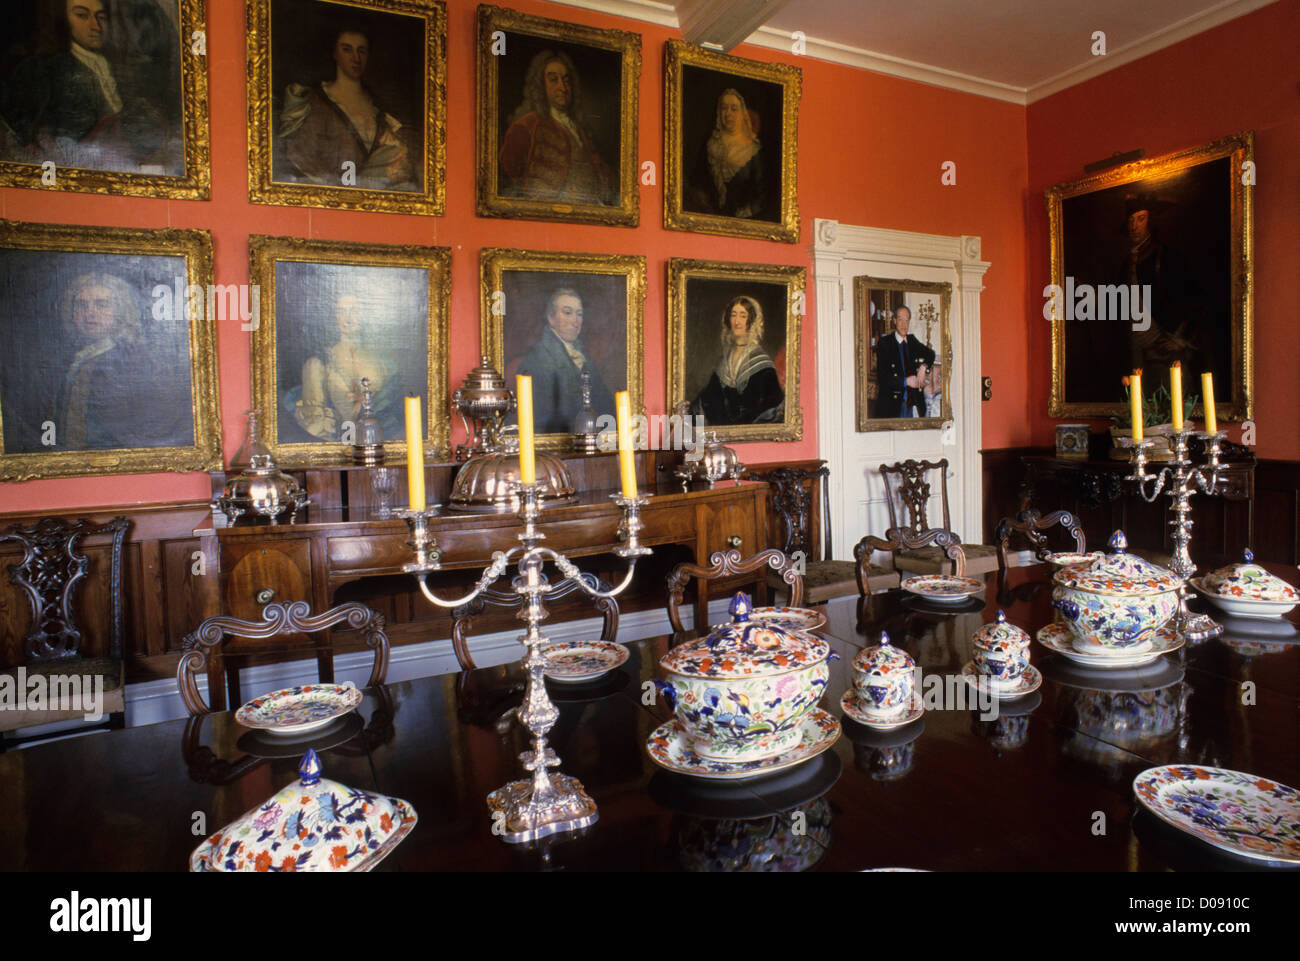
(694, 324)
(265, 255)
(678, 169)
(496, 25)
(263, 186)
(1169, 183)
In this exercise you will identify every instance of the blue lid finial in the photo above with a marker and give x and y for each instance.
(310, 768)
(740, 607)
(1118, 543)
(884, 639)
(1002, 618)
(1249, 556)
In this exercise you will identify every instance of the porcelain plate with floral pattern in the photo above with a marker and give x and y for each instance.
(582, 660)
(790, 618)
(668, 748)
(944, 588)
(851, 702)
(296, 710)
(1028, 682)
(1242, 813)
(1057, 638)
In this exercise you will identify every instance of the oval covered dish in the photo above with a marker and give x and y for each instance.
(1118, 601)
(1249, 581)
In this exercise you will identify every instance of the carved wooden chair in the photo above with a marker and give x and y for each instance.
(1030, 523)
(463, 616)
(727, 564)
(50, 575)
(795, 505)
(899, 539)
(907, 485)
(204, 648)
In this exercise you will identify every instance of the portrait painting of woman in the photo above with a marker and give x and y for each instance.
(729, 178)
(745, 387)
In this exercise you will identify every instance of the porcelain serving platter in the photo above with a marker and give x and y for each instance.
(1058, 639)
(1028, 682)
(1245, 814)
(582, 660)
(669, 749)
(854, 707)
(790, 618)
(942, 588)
(1242, 606)
(297, 710)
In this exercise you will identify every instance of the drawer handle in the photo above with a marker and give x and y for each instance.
(265, 595)
(734, 540)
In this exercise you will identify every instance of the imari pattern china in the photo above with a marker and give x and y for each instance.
(1001, 649)
(1028, 682)
(1058, 639)
(1247, 590)
(790, 618)
(884, 680)
(855, 707)
(669, 748)
(765, 844)
(1243, 813)
(1073, 558)
(582, 660)
(1119, 601)
(314, 824)
(743, 692)
(942, 588)
(296, 710)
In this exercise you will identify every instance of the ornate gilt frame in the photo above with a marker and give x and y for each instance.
(795, 280)
(1240, 149)
(494, 262)
(196, 184)
(196, 247)
(262, 189)
(862, 353)
(263, 254)
(487, 148)
(678, 54)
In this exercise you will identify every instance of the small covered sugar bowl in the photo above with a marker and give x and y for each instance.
(884, 677)
(1001, 650)
(1247, 590)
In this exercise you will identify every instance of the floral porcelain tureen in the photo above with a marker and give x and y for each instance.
(741, 692)
(1116, 603)
(314, 824)
(1246, 589)
(883, 677)
(1001, 649)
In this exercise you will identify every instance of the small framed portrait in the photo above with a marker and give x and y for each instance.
(733, 347)
(109, 363)
(344, 318)
(557, 120)
(347, 103)
(731, 130)
(106, 97)
(1152, 263)
(903, 354)
(558, 316)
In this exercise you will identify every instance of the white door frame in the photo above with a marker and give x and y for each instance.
(836, 247)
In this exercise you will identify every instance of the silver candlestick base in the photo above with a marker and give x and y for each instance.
(422, 543)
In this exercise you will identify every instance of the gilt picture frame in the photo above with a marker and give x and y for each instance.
(110, 362)
(749, 394)
(901, 384)
(333, 313)
(1174, 233)
(347, 104)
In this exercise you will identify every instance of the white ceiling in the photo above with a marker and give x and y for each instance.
(1015, 50)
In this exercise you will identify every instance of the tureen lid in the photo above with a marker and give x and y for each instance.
(313, 824)
(1001, 635)
(746, 648)
(1250, 581)
(1119, 572)
(883, 660)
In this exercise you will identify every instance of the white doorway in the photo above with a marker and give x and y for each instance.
(857, 494)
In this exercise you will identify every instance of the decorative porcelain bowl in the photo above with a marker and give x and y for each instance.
(742, 692)
(885, 678)
(1001, 650)
(1247, 590)
(1073, 558)
(1117, 602)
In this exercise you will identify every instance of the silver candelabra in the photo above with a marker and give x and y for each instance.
(1179, 480)
(547, 803)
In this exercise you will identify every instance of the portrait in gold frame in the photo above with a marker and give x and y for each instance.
(703, 297)
(332, 313)
(1181, 227)
(521, 290)
(154, 144)
(305, 146)
(875, 303)
(110, 360)
(731, 136)
(525, 156)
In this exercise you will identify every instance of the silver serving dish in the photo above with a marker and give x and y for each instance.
(489, 483)
(262, 488)
(484, 399)
(714, 462)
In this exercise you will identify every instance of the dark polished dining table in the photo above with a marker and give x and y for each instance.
(1044, 785)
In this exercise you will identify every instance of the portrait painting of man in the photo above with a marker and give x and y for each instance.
(558, 123)
(94, 85)
(903, 350)
(95, 360)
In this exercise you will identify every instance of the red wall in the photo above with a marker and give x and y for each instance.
(1239, 76)
(870, 152)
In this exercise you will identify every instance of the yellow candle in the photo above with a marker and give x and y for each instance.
(415, 453)
(1207, 396)
(524, 400)
(1135, 403)
(626, 460)
(1176, 394)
